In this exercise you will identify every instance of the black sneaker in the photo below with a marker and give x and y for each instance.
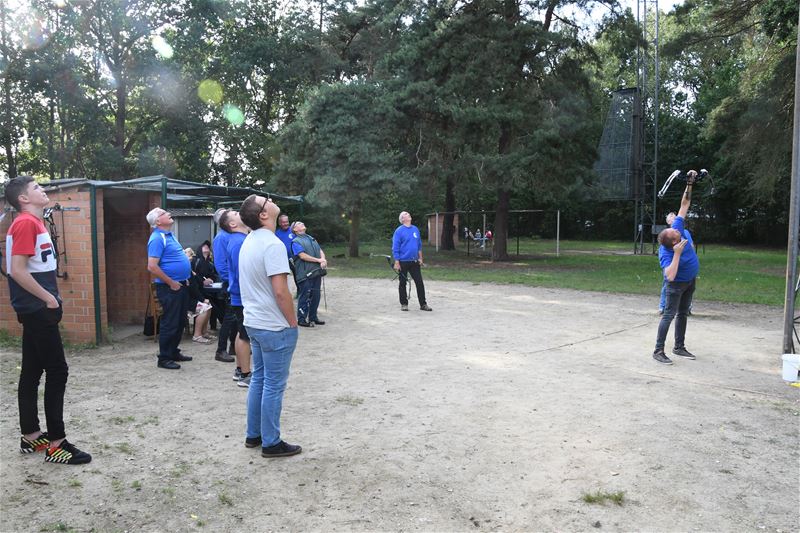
(318, 322)
(181, 357)
(661, 357)
(36, 445)
(66, 454)
(168, 364)
(237, 374)
(683, 352)
(425, 308)
(281, 450)
(223, 356)
(252, 442)
(305, 324)
(404, 307)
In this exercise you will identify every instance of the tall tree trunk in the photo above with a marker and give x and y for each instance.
(8, 125)
(355, 224)
(500, 248)
(448, 227)
(51, 132)
(119, 122)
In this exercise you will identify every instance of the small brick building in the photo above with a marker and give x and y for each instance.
(101, 241)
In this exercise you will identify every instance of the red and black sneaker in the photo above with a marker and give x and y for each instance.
(36, 445)
(66, 454)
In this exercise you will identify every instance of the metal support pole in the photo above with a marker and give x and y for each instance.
(558, 232)
(437, 231)
(163, 193)
(518, 232)
(794, 216)
(98, 323)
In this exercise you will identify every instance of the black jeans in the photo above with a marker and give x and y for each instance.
(406, 268)
(679, 301)
(42, 351)
(228, 330)
(173, 320)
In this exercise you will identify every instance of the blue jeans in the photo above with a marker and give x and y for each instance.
(679, 301)
(308, 299)
(173, 319)
(272, 357)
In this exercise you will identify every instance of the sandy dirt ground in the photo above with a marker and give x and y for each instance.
(498, 411)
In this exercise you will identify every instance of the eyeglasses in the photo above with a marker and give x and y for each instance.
(264, 206)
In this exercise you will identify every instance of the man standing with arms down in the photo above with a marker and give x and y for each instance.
(227, 329)
(167, 262)
(309, 265)
(237, 232)
(271, 324)
(407, 253)
(31, 266)
(681, 266)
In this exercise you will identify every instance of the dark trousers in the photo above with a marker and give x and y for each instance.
(406, 268)
(679, 302)
(42, 351)
(173, 320)
(308, 295)
(228, 329)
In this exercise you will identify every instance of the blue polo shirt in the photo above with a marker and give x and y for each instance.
(171, 259)
(235, 241)
(220, 249)
(286, 236)
(689, 264)
(406, 243)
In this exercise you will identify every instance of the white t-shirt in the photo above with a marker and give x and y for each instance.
(262, 255)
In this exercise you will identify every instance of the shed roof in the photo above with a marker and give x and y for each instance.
(177, 190)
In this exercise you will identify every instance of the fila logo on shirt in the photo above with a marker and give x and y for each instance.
(46, 251)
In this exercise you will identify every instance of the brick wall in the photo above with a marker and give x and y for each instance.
(77, 289)
(126, 254)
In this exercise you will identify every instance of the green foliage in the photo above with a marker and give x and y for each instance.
(373, 107)
(727, 274)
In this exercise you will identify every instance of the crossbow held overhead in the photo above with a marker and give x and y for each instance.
(680, 175)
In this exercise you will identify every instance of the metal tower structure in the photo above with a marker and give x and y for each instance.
(645, 159)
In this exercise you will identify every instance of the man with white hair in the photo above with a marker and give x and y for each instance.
(407, 253)
(171, 269)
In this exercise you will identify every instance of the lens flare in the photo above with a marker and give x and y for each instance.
(233, 114)
(210, 92)
(36, 36)
(162, 47)
(60, 4)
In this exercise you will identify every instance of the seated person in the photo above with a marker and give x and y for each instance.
(203, 264)
(199, 307)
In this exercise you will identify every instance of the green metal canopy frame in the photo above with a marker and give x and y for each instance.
(172, 191)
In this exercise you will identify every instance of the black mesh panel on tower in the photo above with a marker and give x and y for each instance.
(614, 168)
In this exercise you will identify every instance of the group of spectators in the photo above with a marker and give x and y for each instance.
(214, 283)
(251, 256)
(246, 270)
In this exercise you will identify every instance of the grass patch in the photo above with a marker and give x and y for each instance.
(601, 497)
(122, 420)
(136, 485)
(58, 526)
(74, 483)
(180, 469)
(727, 274)
(350, 400)
(225, 499)
(8, 340)
(124, 447)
